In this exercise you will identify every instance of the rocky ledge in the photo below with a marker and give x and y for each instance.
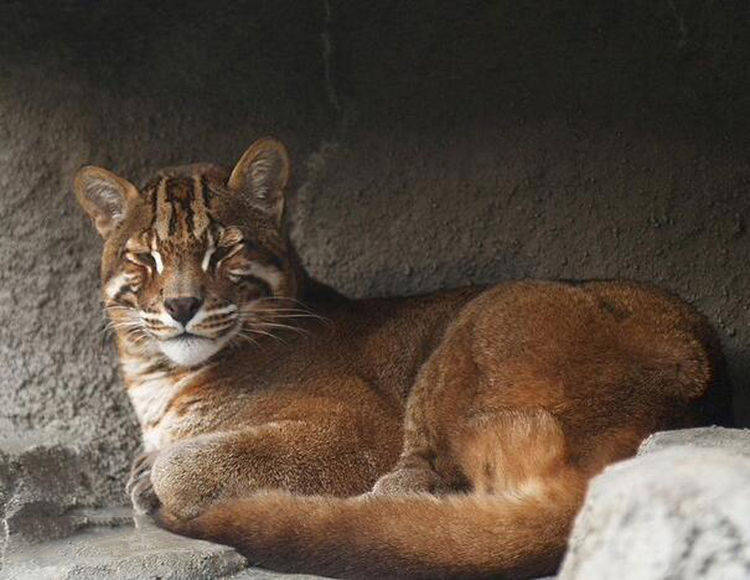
(680, 509)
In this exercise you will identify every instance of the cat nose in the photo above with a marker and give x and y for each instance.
(182, 309)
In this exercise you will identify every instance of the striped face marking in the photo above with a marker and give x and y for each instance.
(158, 262)
(193, 261)
(268, 275)
(210, 249)
(187, 251)
(180, 208)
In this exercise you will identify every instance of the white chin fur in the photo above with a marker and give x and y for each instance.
(191, 351)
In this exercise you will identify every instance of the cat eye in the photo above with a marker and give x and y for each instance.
(237, 275)
(249, 280)
(221, 253)
(142, 259)
(218, 255)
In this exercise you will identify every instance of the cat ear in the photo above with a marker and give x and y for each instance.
(103, 196)
(261, 175)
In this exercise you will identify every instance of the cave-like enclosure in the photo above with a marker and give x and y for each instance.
(435, 144)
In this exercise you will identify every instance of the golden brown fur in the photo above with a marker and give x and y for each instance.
(469, 420)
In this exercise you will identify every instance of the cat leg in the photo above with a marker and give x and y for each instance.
(297, 456)
(139, 487)
(435, 405)
(419, 467)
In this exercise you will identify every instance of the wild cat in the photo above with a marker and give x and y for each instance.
(445, 435)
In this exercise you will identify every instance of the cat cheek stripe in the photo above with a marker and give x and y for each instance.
(116, 286)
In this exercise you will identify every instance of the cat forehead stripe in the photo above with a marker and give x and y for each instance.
(180, 208)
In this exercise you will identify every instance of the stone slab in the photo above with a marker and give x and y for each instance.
(732, 440)
(112, 548)
(123, 553)
(680, 512)
(51, 485)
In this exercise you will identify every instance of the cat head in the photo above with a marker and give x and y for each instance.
(198, 257)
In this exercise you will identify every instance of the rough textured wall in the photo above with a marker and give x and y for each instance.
(435, 146)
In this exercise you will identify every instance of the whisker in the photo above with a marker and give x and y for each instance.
(290, 316)
(119, 323)
(264, 333)
(124, 325)
(283, 310)
(285, 313)
(281, 326)
(247, 337)
(270, 324)
(282, 299)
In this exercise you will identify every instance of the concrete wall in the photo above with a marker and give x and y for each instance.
(434, 145)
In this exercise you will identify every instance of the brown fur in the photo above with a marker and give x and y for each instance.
(471, 420)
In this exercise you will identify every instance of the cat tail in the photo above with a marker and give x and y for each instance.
(408, 536)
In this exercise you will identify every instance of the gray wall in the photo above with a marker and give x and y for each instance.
(434, 147)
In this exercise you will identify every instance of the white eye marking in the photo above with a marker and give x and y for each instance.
(114, 286)
(269, 274)
(209, 252)
(122, 282)
(158, 261)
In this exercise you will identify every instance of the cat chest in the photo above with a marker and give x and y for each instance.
(154, 399)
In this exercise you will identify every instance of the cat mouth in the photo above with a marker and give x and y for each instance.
(188, 349)
(186, 337)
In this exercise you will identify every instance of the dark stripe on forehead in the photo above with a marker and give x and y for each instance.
(173, 213)
(148, 193)
(180, 193)
(188, 206)
(183, 194)
(205, 192)
(161, 208)
(179, 205)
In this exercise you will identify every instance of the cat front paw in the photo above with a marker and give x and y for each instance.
(139, 486)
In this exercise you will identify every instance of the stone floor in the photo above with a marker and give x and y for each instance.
(51, 527)
(124, 551)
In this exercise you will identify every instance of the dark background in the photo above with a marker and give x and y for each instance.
(435, 144)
